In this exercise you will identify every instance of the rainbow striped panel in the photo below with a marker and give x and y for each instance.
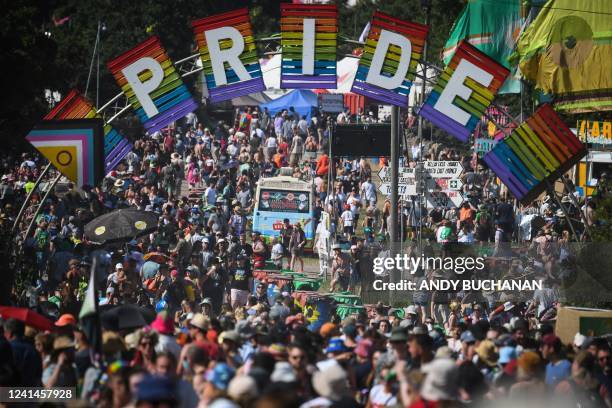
(172, 98)
(479, 99)
(326, 43)
(76, 106)
(535, 154)
(74, 147)
(416, 33)
(234, 88)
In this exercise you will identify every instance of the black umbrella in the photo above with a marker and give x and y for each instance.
(125, 317)
(121, 225)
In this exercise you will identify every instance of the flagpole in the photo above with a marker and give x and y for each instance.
(40, 206)
(29, 196)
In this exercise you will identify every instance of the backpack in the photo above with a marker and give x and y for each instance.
(483, 218)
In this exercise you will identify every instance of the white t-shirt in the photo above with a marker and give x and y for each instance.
(354, 202)
(347, 218)
(380, 398)
(277, 251)
(271, 142)
(211, 196)
(369, 190)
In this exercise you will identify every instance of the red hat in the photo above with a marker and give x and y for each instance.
(174, 273)
(66, 320)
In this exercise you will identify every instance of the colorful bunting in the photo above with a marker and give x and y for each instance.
(229, 55)
(386, 71)
(535, 154)
(309, 40)
(152, 85)
(75, 106)
(464, 91)
(74, 147)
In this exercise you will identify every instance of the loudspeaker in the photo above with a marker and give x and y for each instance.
(369, 140)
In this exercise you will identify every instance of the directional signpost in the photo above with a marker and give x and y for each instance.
(442, 181)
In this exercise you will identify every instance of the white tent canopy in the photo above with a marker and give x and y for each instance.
(271, 68)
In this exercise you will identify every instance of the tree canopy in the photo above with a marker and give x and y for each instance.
(49, 45)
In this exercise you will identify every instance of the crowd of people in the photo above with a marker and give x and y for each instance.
(217, 337)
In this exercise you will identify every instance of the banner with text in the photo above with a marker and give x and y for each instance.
(153, 87)
(229, 55)
(388, 64)
(309, 38)
(464, 91)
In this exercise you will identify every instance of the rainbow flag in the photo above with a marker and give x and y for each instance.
(535, 154)
(238, 19)
(324, 41)
(171, 98)
(74, 147)
(76, 106)
(416, 33)
(479, 100)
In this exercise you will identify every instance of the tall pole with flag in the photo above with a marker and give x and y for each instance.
(89, 317)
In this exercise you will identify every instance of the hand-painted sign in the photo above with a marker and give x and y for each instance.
(309, 43)
(388, 64)
(537, 152)
(229, 55)
(464, 91)
(154, 88)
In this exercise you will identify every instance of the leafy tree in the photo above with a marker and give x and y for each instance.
(27, 56)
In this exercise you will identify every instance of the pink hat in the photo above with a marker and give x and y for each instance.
(163, 324)
(174, 273)
(364, 348)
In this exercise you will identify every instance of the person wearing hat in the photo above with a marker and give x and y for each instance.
(420, 346)
(341, 269)
(61, 372)
(206, 307)
(331, 383)
(199, 327)
(279, 310)
(241, 281)
(66, 320)
(216, 385)
(237, 220)
(441, 382)
(528, 376)
(397, 340)
(487, 357)
(558, 368)
(384, 393)
(164, 326)
(156, 391)
(297, 242)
